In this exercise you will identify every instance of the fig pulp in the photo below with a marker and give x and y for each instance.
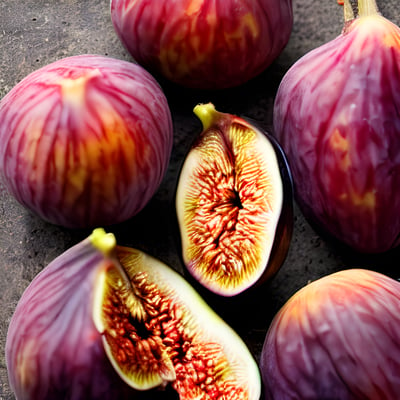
(336, 338)
(85, 141)
(233, 204)
(109, 322)
(336, 115)
(204, 44)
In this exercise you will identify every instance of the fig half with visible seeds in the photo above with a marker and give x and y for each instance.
(108, 322)
(234, 204)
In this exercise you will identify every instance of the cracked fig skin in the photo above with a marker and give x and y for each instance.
(85, 141)
(107, 322)
(336, 115)
(234, 204)
(336, 338)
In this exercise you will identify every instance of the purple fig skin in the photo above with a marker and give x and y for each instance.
(85, 141)
(204, 44)
(53, 349)
(336, 115)
(336, 338)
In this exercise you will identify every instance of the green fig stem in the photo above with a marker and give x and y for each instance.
(367, 8)
(206, 114)
(105, 242)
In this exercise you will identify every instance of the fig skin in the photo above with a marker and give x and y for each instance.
(85, 141)
(109, 322)
(336, 338)
(336, 115)
(234, 204)
(204, 44)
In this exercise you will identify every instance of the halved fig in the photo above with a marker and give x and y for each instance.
(109, 322)
(234, 204)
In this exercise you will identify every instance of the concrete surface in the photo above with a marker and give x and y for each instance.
(36, 32)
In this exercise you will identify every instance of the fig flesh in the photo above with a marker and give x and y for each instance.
(233, 204)
(336, 115)
(109, 322)
(85, 141)
(336, 338)
(204, 44)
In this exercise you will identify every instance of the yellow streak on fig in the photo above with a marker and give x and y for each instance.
(375, 27)
(74, 90)
(247, 24)
(341, 144)
(183, 51)
(194, 7)
(367, 200)
(27, 366)
(93, 154)
(34, 141)
(392, 39)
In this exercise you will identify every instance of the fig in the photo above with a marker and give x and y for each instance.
(204, 44)
(85, 141)
(336, 338)
(234, 204)
(336, 115)
(103, 321)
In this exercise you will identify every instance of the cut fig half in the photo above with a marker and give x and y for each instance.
(234, 204)
(158, 331)
(103, 322)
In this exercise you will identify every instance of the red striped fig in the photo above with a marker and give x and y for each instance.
(203, 43)
(234, 204)
(85, 141)
(336, 338)
(108, 322)
(337, 117)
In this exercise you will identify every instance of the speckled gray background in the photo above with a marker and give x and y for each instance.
(34, 33)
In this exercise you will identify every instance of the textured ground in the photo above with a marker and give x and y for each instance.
(36, 32)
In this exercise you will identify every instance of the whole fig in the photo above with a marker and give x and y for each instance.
(204, 44)
(234, 204)
(85, 141)
(336, 338)
(337, 116)
(108, 322)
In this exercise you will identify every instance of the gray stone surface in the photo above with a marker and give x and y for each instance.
(34, 33)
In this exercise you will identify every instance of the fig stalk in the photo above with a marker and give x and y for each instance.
(367, 8)
(348, 11)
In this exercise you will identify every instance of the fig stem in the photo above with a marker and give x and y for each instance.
(367, 8)
(105, 242)
(348, 11)
(206, 114)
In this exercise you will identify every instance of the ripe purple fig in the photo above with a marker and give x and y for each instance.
(85, 141)
(108, 322)
(336, 338)
(337, 117)
(234, 204)
(204, 44)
